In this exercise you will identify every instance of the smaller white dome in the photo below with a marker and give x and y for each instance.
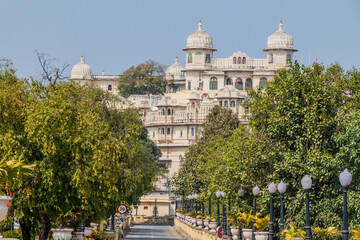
(280, 39)
(81, 70)
(199, 39)
(175, 71)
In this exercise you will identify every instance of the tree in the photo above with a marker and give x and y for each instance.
(89, 156)
(146, 78)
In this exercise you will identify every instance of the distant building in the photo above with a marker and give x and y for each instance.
(173, 120)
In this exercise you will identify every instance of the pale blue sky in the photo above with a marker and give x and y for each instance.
(115, 34)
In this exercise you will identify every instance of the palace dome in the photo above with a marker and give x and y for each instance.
(199, 39)
(280, 39)
(81, 70)
(175, 71)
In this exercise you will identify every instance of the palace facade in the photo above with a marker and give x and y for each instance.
(173, 120)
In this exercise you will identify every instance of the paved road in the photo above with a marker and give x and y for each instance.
(152, 231)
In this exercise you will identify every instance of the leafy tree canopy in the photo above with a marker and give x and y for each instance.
(146, 78)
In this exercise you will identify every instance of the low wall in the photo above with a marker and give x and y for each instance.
(117, 234)
(194, 233)
(154, 220)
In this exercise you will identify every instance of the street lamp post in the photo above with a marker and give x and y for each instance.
(272, 190)
(223, 214)
(345, 179)
(241, 193)
(281, 188)
(256, 192)
(218, 195)
(196, 208)
(306, 184)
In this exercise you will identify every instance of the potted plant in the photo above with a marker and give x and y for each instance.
(212, 224)
(325, 233)
(199, 220)
(261, 224)
(356, 233)
(235, 222)
(293, 233)
(246, 223)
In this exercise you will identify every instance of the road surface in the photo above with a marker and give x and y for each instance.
(152, 231)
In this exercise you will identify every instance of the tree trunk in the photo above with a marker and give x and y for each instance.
(46, 226)
(26, 230)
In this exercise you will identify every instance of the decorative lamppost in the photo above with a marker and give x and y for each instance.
(241, 193)
(306, 184)
(196, 207)
(218, 195)
(272, 190)
(223, 194)
(281, 188)
(190, 203)
(209, 194)
(345, 179)
(256, 192)
(229, 224)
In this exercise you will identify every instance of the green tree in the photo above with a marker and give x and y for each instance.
(146, 78)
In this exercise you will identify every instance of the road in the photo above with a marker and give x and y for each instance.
(152, 231)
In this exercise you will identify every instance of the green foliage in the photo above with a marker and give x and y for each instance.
(234, 219)
(246, 219)
(356, 233)
(325, 233)
(292, 232)
(12, 234)
(146, 78)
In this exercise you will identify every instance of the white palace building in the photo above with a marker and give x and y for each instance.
(173, 120)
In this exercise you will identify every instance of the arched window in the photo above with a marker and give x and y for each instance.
(162, 111)
(226, 104)
(109, 87)
(232, 104)
(239, 84)
(192, 131)
(248, 83)
(220, 103)
(271, 58)
(162, 131)
(213, 83)
(228, 81)
(288, 58)
(207, 58)
(180, 133)
(168, 131)
(169, 111)
(190, 58)
(189, 85)
(234, 60)
(263, 82)
(244, 60)
(239, 60)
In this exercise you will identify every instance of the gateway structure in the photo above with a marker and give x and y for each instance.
(173, 120)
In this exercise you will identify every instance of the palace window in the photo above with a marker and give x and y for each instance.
(168, 132)
(181, 133)
(169, 111)
(153, 134)
(109, 87)
(244, 60)
(232, 104)
(189, 85)
(280, 58)
(198, 58)
(207, 58)
(263, 82)
(162, 131)
(190, 58)
(213, 83)
(162, 111)
(248, 84)
(228, 81)
(192, 132)
(226, 104)
(220, 103)
(239, 84)
(234, 60)
(271, 58)
(239, 60)
(288, 58)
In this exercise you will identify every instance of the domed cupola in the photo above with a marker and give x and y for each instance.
(199, 39)
(81, 70)
(175, 71)
(280, 40)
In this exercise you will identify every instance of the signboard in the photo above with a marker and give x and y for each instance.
(219, 232)
(122, 209)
